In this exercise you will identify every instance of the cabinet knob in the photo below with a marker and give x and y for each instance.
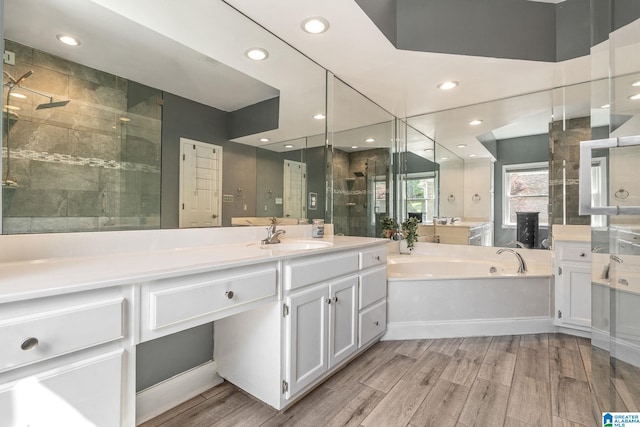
(229, 294)
(329, 301)
(377, 257)
(583, 255)
(29, 344)
(376, 323)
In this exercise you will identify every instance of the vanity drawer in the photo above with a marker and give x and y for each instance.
(373, 286)
(42, 335)
(575, 253)
(205, 296)
(374, 256)
(316, 269)
(372, 323)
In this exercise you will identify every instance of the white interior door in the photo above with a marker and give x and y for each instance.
(200, 184)
(295, 189)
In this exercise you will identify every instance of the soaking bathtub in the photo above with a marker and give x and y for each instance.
(467, 292)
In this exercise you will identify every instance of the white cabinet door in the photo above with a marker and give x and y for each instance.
(84, 393)
(575, 282)
(343, 317)
(307, 324)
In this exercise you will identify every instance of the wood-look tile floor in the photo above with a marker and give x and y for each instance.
(526, 380)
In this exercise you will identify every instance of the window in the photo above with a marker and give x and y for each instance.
(421, 196)
(525, 189)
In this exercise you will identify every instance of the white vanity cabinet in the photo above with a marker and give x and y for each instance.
(573, 285)
(292, 345)
(174, 304)
(63, 360)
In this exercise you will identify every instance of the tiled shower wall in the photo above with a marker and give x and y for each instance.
(91, 165)
(564, 167)
(353, 210)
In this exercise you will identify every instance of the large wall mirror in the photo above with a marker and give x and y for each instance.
(495, 159)
(361, 141)
(147, 125)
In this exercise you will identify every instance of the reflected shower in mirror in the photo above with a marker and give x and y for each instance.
(361, 146)
(111, 158)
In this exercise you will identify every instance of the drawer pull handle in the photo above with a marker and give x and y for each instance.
(29, 344)
(376, 323)
(229, 294)
(583, 255)
(377, 257)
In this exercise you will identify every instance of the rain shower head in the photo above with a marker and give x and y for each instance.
(359, 174)
(52, 104)
(14, 82)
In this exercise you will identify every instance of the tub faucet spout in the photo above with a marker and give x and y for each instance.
(522, 267)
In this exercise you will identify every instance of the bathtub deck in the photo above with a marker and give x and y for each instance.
(501, 381)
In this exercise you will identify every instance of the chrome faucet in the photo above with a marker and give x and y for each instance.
(273, 235)
(522, 267)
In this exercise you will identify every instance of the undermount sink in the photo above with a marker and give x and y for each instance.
(297, 245)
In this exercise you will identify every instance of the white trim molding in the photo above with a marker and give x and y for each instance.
(169, 393)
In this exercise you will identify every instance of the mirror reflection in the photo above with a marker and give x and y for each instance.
(145, 132)
(361, 146)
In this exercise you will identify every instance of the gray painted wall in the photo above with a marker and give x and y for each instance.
(517, 29)
(383, 14)
(162, 358)
(185, 118)
(256, 118)
(492, 28)
(527, 149)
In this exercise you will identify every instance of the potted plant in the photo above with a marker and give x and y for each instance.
(410, 231)
(389, 227)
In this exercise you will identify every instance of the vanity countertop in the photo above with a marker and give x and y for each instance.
(27, 279)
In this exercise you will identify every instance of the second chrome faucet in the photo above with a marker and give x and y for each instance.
(522, 267)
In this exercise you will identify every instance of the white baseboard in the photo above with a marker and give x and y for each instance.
(163, 396)
(468, 328)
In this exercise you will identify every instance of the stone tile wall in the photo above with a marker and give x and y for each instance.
(80, 167)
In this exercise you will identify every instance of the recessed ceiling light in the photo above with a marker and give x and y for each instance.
(370, 140)
(264, 140)
(472, 155)
(635, 97)
(447, 85)
(11, 107)
(319, 116)
(605, 106)
(475, 122)
(461, 145)
(68, 40)
(636, 84)
(354, 146)
(428, 149)
(315, 25)
(124, 119)
(257, 54)
(18, 95)
(444, 158)
(288, 145)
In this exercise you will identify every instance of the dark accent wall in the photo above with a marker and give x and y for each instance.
(513, 151)
(515, 29)
(383, 14)
(256, 118)
(189, 119)
(573, 29)
(163, 358)
(492, 28)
